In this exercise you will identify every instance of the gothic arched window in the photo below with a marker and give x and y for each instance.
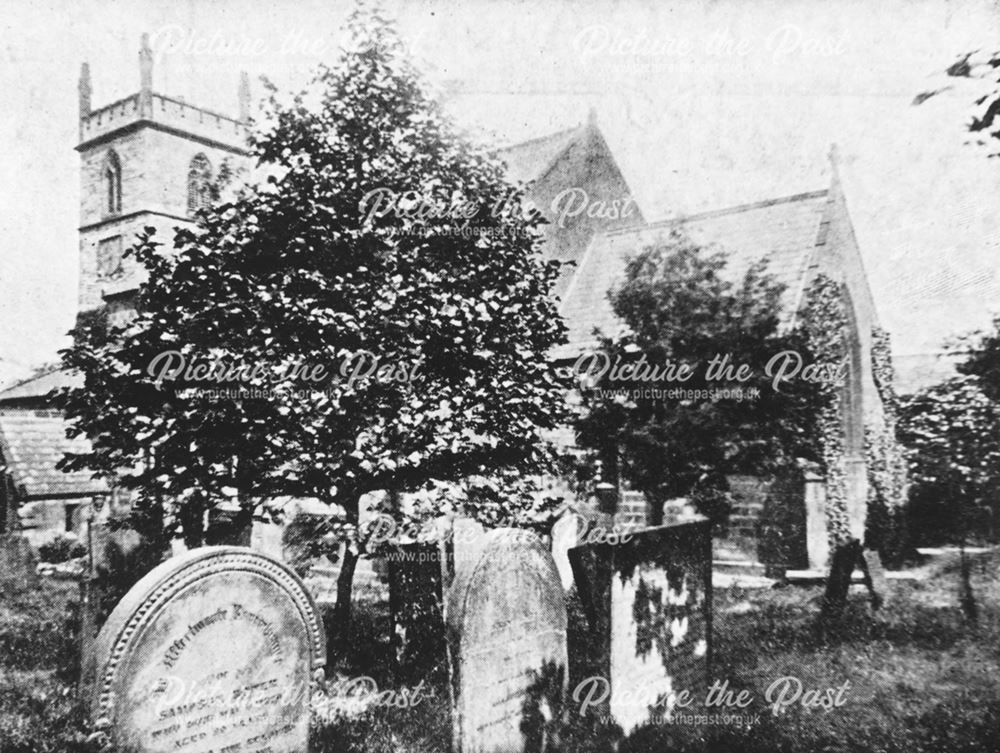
(199, 183)
(112, 180)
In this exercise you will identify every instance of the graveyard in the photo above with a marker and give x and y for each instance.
(383, 451)
(919, 676)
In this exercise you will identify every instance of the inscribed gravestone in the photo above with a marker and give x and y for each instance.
(649, 605)
(213, 650)
(506, 619)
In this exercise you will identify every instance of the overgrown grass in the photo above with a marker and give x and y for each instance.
(39, 710)
(922, 678)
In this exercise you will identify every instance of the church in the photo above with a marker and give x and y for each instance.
(151, 160)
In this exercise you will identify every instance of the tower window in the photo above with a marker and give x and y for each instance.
(199, 183)
(112, 184)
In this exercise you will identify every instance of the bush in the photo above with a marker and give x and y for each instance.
(62, 548)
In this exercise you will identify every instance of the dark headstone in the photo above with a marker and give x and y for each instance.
(416, 604)
(17, 563)
(213, 650)
(649, 607)
(228, 527)
(506, 618)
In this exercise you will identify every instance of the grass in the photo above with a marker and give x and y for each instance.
(921, 677)
(39, 711)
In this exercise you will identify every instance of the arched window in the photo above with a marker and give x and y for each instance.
(112, 179)
(199, 183)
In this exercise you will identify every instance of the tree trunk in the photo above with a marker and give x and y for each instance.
(338, 631)
(654, 512)
(838, 582)
(966, 598)
(192, 518)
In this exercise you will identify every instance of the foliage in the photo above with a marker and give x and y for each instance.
(982, 70)
(294, 273)
(33, 625)
(679, 308)
(39, 711)
(885, 461)
(951, 431)
(982, 358)
(61, 549)
(825, 322)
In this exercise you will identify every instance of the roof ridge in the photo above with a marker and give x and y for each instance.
(536, 139)
(735, 209)
(40, 372)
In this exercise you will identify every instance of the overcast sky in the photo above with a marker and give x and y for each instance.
(704, 105)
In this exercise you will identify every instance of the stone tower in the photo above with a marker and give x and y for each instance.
(145, 160)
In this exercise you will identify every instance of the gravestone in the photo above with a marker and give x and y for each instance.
(18, 564)
(565, 536)
(213, 650)
(649, 607)
(506, 624)
(466, 543)
(417, 572)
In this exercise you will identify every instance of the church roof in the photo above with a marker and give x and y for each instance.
(35, 388)
(31, 443)
(530, 160)
(785, 231)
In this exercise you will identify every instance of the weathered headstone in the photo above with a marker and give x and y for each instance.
(17, 563)
(565, 536)
(506, 618)
(416, 603)
(17, 559)
(649, 605)
(466, 542)
(214, 650)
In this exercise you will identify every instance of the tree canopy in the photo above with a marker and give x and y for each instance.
(369, 311)
(679, 306)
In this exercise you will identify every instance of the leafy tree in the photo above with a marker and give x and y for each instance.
(982, 358)
(952, 434)
(982, 70)
(680, 308)
(301, 269)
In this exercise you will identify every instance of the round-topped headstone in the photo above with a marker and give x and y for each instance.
(506, 618)
(213, 650)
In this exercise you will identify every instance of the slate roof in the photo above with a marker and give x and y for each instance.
(31, 443)
(37, 386)
(530, 160)
(786, 231)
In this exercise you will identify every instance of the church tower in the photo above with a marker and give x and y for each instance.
(145, 160)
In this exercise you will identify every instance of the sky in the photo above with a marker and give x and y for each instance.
(704, 104)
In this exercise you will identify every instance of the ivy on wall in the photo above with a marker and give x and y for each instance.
(824, 321)
(884, 458)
